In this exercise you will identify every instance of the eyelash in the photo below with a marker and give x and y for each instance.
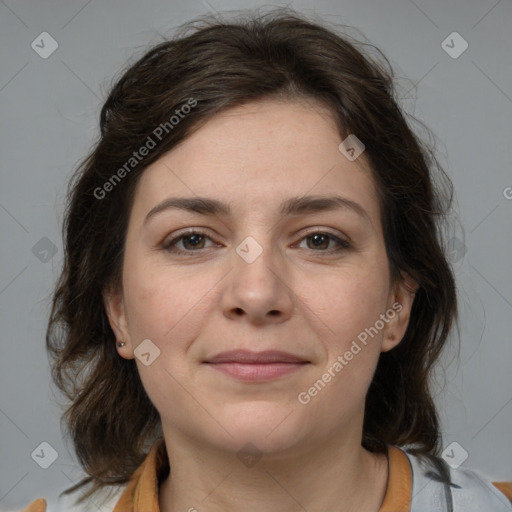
(170, 245)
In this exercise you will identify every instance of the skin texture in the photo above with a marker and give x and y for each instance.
(296, 296)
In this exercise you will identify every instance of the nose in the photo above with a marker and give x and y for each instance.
(258, 289)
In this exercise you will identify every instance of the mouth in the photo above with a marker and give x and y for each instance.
(256, 366)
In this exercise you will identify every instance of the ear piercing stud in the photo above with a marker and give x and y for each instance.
(121, 344)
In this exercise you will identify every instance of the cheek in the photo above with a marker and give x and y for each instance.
(168, 308)
(341, 381)
(164, 304)
(347, 302)
(347, 306)
(153, 304)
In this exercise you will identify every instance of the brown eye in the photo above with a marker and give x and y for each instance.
(319, 241)
(192, 241)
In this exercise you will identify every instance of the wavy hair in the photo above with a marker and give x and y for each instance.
(222, 63)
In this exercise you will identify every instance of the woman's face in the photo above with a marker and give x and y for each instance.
(253, 276)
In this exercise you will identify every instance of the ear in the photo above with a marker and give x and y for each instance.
(113, 301)
(398, 313)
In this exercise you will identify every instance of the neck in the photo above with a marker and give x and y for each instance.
(334, 475)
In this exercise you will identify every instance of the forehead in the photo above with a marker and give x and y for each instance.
(255, 155)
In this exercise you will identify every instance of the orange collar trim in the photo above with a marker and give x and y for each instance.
(399, 490)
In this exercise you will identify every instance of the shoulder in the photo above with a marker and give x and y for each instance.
(104, 503)
(36, 506)
(436, 486)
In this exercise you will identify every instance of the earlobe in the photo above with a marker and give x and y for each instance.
(115, 310)
(401, 301)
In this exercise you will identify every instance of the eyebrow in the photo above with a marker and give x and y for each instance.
(289, 207)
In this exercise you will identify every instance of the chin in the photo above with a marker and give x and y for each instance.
(270, 427)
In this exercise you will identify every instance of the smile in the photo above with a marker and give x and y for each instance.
(256, 366)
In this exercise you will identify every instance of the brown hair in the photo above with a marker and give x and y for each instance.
(222, 64)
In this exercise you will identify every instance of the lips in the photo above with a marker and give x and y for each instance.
(248, 357)
(248, 366)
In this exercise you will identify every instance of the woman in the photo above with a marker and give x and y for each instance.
(255, 291)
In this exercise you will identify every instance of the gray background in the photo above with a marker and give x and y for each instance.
(49, 111)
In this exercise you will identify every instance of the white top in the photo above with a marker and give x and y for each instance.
(468, 492)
